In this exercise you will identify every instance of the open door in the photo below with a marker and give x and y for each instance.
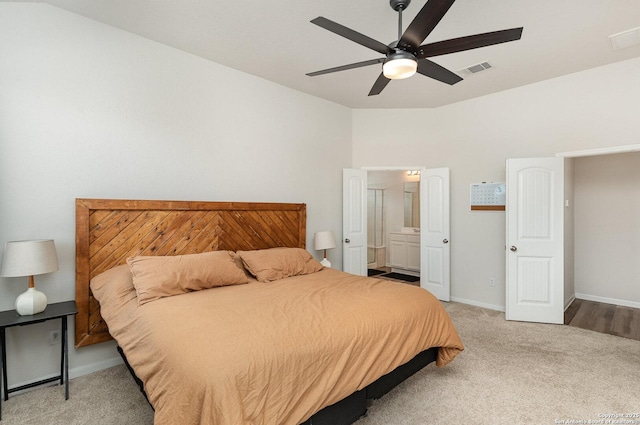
(535, 240)
(434, 232)
(354, 221)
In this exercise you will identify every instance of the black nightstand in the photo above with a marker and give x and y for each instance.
(53, 311)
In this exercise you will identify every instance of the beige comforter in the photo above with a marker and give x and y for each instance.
(272, 353)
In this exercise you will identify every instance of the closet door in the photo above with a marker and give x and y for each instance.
(535, 240)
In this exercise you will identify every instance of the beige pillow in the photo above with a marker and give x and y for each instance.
(114, 286)
(157, 276)
(272, 264)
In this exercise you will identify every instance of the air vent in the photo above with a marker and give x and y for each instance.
(625, 39)
(474, 69)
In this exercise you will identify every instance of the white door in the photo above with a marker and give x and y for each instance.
(354, 221)
(535, 240)
(434, 232)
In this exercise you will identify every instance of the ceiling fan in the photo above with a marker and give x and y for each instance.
(404, 57)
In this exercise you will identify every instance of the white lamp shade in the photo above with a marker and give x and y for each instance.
(29, 258)
(324, 240)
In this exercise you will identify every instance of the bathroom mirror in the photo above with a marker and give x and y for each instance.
(412, 204)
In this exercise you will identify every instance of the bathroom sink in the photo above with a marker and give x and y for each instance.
(410, 230)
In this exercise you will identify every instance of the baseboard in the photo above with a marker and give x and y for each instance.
(625, 303)
(478, 304)
(94, 367)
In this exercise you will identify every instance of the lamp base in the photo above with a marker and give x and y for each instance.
(31, 302)
(326, 263)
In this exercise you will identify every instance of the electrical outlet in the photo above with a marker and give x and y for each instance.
(54, 337)
(492, 281)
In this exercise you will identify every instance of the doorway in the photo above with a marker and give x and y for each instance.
(393, 210)
(607, 228)
(601, 208)
(434, 250)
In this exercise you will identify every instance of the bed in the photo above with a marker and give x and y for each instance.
(280, 340)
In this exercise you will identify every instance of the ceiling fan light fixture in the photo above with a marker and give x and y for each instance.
(400, 65)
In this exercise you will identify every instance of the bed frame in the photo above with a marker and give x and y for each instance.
(108, 231)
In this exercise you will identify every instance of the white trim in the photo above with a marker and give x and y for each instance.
(568, 303)
(601, 151)
(624, 303)
(95, 367)
(478, 304)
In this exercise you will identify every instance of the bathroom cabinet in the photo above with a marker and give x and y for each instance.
(404, 256)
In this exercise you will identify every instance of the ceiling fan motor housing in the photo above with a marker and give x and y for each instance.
(399, 4)
(400, 54)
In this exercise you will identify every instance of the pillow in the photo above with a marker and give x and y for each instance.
(114, 286)
(240, 264)
(272, 264)
(157, 277)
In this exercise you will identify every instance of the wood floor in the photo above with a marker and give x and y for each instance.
(605, 318)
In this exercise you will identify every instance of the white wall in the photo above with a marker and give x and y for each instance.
(607, 228)
(591, 109)
(87, 110)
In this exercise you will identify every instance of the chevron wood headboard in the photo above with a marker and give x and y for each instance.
(108, 231)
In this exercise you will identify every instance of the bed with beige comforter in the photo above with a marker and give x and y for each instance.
(269, 353)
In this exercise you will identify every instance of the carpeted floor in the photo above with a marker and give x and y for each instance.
(509, 373)
(108, 397)
(518, 373)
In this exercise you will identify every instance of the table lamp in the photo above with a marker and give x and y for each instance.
(30, 258)
(322, 241)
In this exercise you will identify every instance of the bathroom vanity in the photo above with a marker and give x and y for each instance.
(404, 256)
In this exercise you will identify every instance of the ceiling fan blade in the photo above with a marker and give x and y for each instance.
(379, 85)
(345, 67)
(352, 35)
(424, 22)
(467, 43)
(437, 72)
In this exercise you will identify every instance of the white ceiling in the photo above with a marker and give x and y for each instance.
(275, 40)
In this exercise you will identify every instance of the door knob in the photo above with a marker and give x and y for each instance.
(347, 240)
(445, 241)
(513, 248)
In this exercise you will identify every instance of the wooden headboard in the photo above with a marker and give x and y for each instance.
(108, 231)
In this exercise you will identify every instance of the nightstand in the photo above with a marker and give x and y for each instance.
(11, 318)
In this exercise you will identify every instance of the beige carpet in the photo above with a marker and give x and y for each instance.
(518, 373)
(510, 373)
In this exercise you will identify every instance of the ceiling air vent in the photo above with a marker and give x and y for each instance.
(474, 69)
(625, 39)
